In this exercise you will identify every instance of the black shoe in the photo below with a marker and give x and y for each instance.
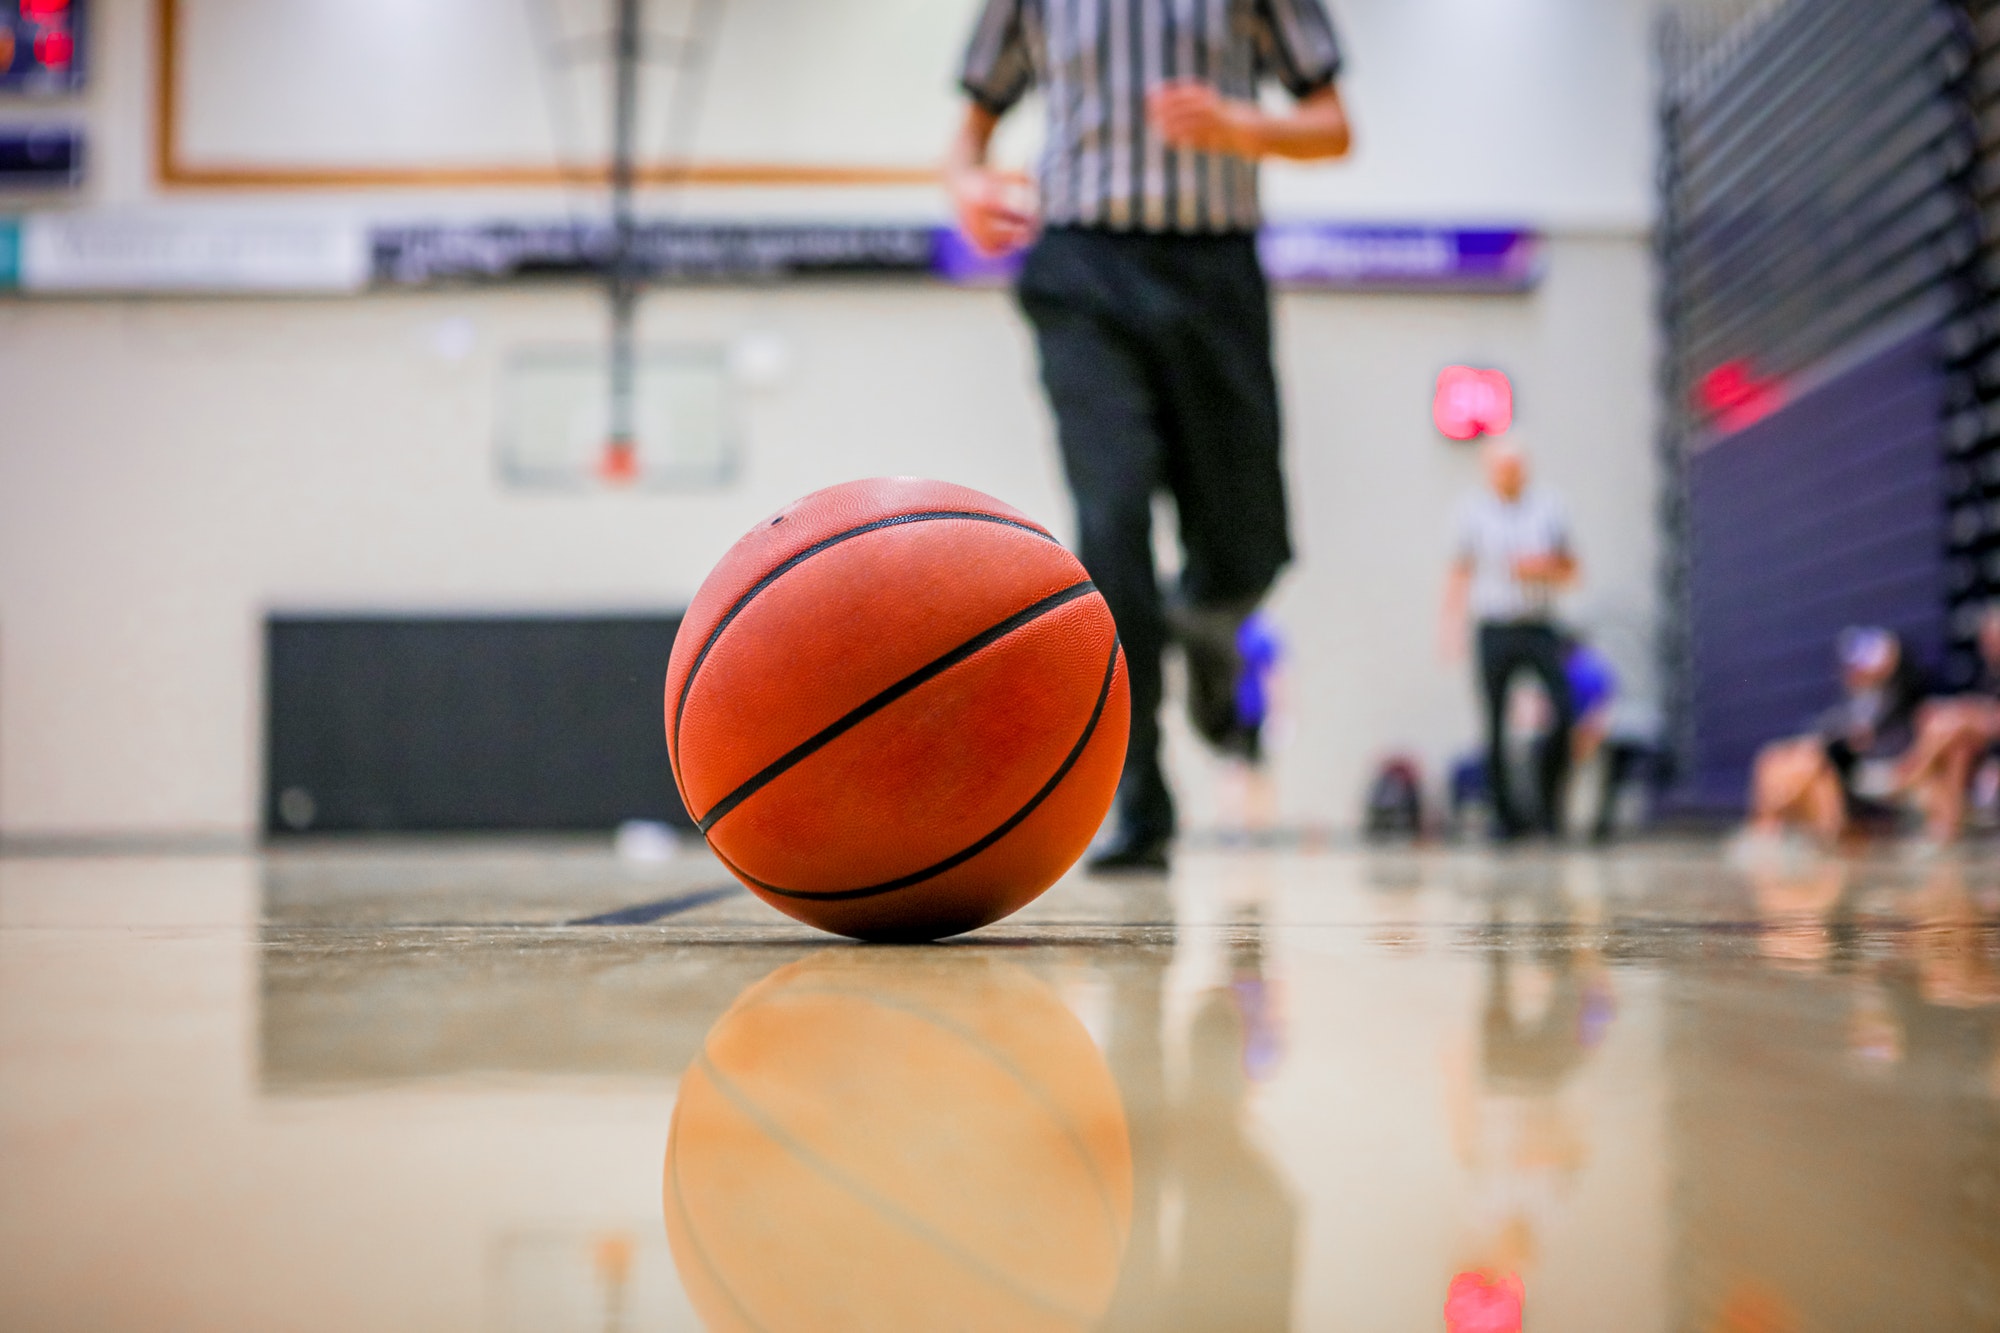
(1207, 636)
(1131, 854)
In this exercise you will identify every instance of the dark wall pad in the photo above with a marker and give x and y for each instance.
(467, 725)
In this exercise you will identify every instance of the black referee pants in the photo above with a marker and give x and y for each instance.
(1507, 648)
(1156, 354)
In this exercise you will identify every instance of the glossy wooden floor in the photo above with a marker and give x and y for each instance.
(432, 1088)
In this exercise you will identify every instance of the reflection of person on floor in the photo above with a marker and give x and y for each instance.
(1238, 1251)
(1234, 1258)
(1136, 1051)
(1953, 735)
(1538, 1054)
(1515, 1131)
(1947, 957)
(1795, 909)
(1952, 948)
(1821, 780)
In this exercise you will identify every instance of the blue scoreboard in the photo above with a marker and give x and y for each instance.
(41, 46)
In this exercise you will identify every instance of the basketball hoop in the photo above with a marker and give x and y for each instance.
(626, 274)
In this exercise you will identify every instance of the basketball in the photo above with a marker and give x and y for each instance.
(865, 1143)
(897, 710)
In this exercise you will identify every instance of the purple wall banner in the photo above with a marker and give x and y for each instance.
(1327, 256)
(1333, 256)
(1340, 256)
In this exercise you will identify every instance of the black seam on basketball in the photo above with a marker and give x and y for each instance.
(986, 638)
(925, 516)
(959, 858)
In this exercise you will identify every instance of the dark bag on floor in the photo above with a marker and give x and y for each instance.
(1395, 800)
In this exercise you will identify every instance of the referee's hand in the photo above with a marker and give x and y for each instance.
(1190, 114)
(996, 209)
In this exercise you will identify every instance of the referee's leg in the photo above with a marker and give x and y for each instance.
(1222, 439)
(1111, 454)
(1497, 663)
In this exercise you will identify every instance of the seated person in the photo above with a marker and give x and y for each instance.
(1593, 683)
(1845, 767)
(1608, 728)
(1953, 735)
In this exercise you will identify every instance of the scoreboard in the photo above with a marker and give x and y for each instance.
(41, 46)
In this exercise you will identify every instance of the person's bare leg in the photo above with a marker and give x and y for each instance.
(1941, 725)
(1782, 783)
(1945, 792)
(1825, 804)
(1914, 768)
(1769, 791)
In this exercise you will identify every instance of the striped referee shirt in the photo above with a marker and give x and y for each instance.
(1494, 533)
(1095, 61)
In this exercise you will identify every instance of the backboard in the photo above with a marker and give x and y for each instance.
(554, 418)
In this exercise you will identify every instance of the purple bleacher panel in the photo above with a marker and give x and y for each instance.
(1827, 513)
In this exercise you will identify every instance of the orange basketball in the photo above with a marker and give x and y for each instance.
(876, 1143)
(897, 709)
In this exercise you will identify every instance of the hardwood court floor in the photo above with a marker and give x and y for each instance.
(429, 1087)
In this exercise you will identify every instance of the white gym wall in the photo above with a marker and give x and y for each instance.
(170, 469)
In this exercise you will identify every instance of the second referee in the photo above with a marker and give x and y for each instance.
(1150, 310)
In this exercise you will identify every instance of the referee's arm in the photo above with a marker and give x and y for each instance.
(1296, 43)
(991, 205)
(1189, 114)
(994, 208)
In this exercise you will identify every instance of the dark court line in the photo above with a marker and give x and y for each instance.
(643, 913)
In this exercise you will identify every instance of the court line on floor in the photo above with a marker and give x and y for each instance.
(641, 914)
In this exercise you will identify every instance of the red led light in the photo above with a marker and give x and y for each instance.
(54, 48)
(1735, 396)
(1471, 402)
(42, 9)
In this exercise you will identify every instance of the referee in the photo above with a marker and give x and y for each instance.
(1514, 558)
(1150, 310)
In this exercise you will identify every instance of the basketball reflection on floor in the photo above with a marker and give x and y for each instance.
(870, 1139)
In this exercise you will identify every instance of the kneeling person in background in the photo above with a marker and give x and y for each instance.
(1846, 766)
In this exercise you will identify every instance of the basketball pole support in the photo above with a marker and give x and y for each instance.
(620, 463)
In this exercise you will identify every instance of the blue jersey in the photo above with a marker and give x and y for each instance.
(1592, 682)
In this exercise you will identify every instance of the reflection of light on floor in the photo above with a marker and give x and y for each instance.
(1484, 1302)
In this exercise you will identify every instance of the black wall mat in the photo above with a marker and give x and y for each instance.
(1826, 514)
(408, 724)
